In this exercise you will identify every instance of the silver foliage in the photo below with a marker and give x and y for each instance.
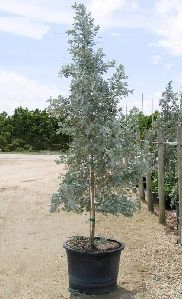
(97, 127)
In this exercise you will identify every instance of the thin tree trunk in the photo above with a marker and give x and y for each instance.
(141, 190)
(161, 174)
(149, 182)
(140, 182)
(149, 192)
(92, 203)
(179, 152)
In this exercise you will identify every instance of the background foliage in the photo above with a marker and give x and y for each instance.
(34, 130)
(31, 130)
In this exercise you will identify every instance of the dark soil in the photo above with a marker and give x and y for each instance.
(83, 244)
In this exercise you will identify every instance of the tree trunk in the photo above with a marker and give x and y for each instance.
(179, 152)
(141, 190)
(149, 181)
(161, 174)
(92, 203)
(140, 182)
(149, 192)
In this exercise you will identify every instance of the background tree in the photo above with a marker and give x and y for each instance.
(31, 130)
(169, 118)
(136, 154)
(146, 122)
(5, 130)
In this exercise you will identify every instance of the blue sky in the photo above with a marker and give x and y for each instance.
(145, 36)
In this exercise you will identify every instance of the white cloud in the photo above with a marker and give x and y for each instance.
(156, 59)
(168, 66)
(106, 11)
(59, 11)
(23, 26)
(169, 25)
(115, 34)
(18, 90)
(103, 8)
(179, 79)
(40, 14)
(162, 17)
(33, 18)
(49, 11)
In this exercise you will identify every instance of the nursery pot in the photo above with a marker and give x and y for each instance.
(93, 273)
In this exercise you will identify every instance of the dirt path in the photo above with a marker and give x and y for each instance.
(32, 260)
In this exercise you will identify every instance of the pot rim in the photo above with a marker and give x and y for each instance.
(121, 247)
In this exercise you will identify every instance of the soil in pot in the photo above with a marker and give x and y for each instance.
(82, 244)
(93, 270)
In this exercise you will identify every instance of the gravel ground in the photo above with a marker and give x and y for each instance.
(32, 261)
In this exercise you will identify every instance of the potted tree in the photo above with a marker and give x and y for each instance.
(96, 172)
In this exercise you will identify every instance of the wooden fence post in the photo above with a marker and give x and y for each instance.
(161, 177)
(140, 183)
(179, 155)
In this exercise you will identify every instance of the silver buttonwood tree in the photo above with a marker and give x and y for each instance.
(96, 176)
(169, 119)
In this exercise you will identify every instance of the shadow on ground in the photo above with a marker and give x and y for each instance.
(120, 293)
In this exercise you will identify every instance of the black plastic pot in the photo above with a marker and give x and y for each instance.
(93, 273)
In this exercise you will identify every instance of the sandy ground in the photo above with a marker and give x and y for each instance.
(32, 260)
